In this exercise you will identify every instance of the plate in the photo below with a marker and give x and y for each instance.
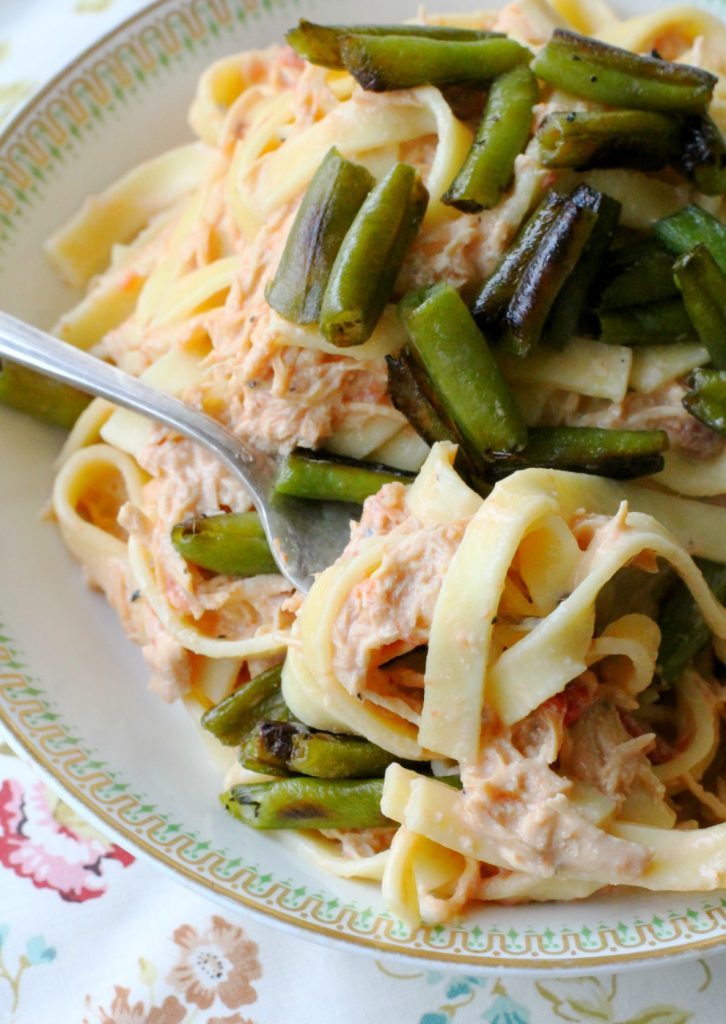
(73, 691)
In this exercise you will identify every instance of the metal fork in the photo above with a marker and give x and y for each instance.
(304, 536)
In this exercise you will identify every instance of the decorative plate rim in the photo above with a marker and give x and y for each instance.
(22, 707)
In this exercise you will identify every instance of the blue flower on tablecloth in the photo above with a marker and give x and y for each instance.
(435, 1018)
(505, 1011)
(38, 952)
(4, 929)
(462, 986)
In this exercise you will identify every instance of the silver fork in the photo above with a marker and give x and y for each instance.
(304, 536)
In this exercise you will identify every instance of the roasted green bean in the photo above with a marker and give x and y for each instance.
(587, 67)
(566, 313)
(693, 226)
(706, 399)
(41, 397)
(320, 44)
(684, 632)
(383, 63)
(371, 256)
(326, 212)
(409, 393)
(492, 299)
(544, 277)
(653, 323)
(638, 274)
(325, 477)
(608, 138)
(288, 746)
(500, 138)
(231, 543)
(703, 154)
(619, 454)
(463, 373)
(308, 803)
(233, 718)
(703, 287)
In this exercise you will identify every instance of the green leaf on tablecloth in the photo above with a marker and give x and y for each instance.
(580, 1000)
(147, 972)
(91, 6)
(660, 1015)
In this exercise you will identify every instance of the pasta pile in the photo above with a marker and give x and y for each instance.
(527, 668)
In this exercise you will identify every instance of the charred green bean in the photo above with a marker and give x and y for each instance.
(545, 275)
(703, 154)
(327, 210)
(320, 44)
(231, 543)
(566, 313)
(608, 138)
(607, 74)
(383, 63)
(308, 803)
(500, 138)
(703, 287)
(619, 454)
(638, 274)
(463, 373)
(371, 256)
(491, 301)
(325, 477)
(653, 323)
(291, 747)
(693, 226)
(706, 399)
(40, 397)
(233, 718)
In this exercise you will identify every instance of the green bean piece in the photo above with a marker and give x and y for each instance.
(653, 323)
(412, 393)
(408, 391)
(231, 543)
(326, 477)
(636, 274)
(41, 397)
(320, 44)
(544, 277)
(372, 253)
(693, 226)
(308, 803)
(618, 78)
(385, 63)
(608, 138)
(703, 287)
(491, 301)
(232, 719)
(618, 454)
(327, 210)
(707, 398)
(456, 358)
(566, 313)
(703, 154)
(291, 747)
(500, 138)
(684, 632)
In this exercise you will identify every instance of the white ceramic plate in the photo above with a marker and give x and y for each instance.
(73, 691)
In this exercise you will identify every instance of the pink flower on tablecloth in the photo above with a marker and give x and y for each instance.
(122, 1011)
(43, 840)
(222, 961)
(234, 1019)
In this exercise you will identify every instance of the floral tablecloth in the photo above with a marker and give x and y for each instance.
(89, 934)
